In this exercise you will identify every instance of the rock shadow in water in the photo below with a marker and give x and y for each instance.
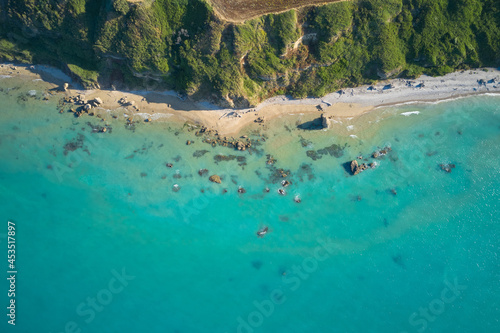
(313, 125)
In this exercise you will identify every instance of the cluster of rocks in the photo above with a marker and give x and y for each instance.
(125, 102)
(99, 129)
(218, 180)
(213, 138)
(85, 106)
(240, 145)
(356, 168)
(270, 160)
(381, 152)
(283, 173)
(259, 120)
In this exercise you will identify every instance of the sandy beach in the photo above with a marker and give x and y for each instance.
(350, 102)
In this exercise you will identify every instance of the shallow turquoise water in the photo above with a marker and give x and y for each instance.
(351, 257)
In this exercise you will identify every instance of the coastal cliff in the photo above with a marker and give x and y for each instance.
(190, 47)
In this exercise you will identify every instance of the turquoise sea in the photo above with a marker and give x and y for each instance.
(104, 243)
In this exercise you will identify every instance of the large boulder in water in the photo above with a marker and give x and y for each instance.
(325, 122)
(354, 167)
(215, 179)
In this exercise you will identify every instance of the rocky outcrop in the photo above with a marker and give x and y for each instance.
(215, 179)
(381, 152)
(384, 75)
(262, 232)
(240, 145)
(357, 168)
(213, 138)
(325, 122)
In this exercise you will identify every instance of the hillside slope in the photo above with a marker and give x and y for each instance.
(184, 45)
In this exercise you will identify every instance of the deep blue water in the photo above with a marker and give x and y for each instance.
(104, 244)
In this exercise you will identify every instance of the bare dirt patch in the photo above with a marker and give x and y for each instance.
(242, 10)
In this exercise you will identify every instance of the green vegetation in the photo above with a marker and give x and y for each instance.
(181, 45)
(88, 77)
(331, 21)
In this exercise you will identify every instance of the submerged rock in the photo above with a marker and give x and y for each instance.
(313, 155)
(334, 150)
(257, 264)
(381, 152)
(199, 153)
(447, 167)
(270, 160)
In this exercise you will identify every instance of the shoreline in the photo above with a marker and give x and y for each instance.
(347, 103)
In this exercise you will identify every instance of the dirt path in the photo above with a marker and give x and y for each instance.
(242, 10)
